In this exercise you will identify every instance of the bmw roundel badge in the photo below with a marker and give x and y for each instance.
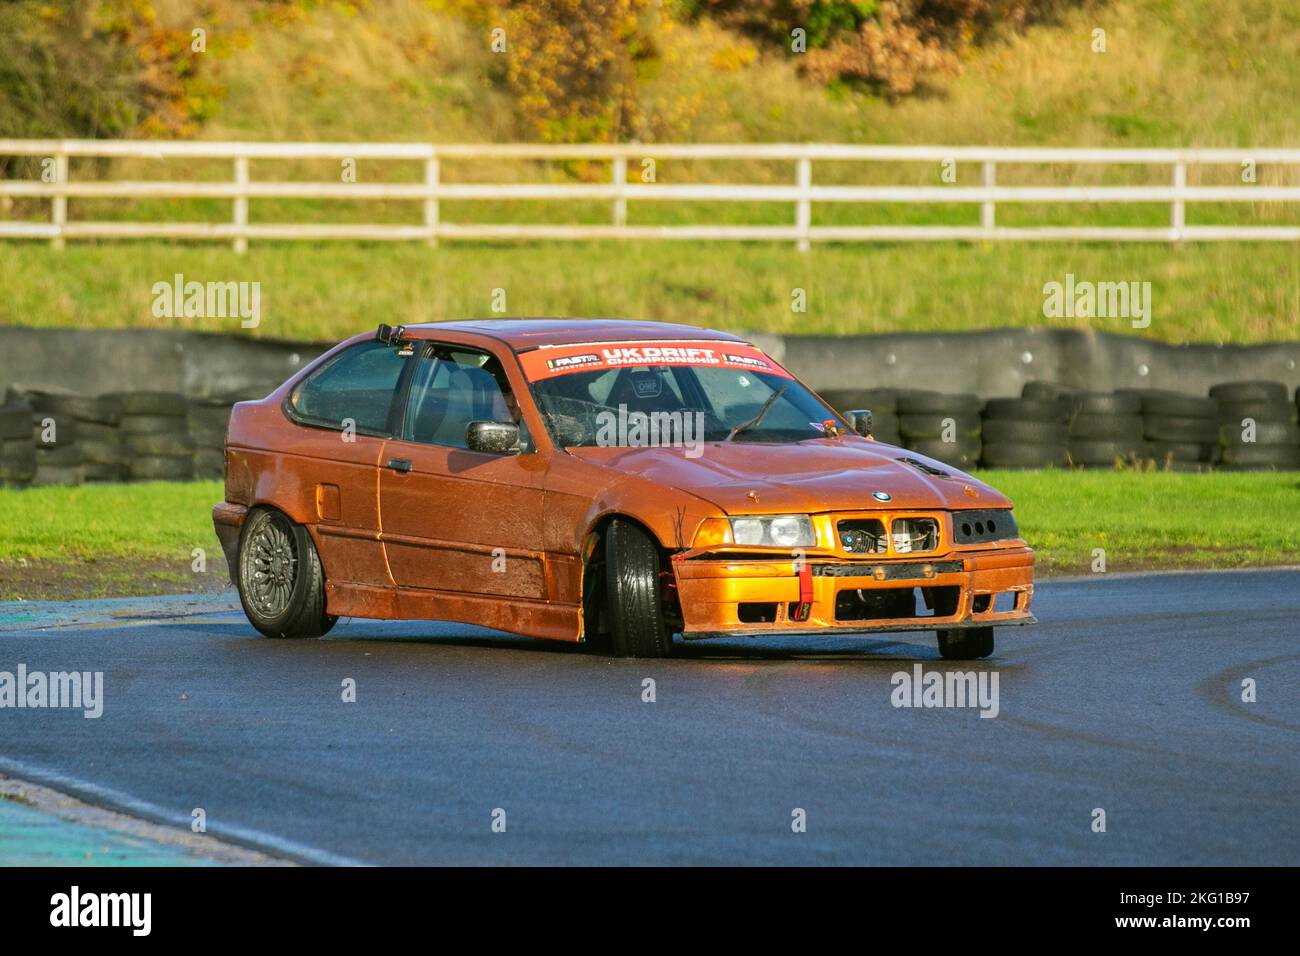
(882, 495)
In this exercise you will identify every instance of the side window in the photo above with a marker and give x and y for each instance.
(453, 387)
(358, 386)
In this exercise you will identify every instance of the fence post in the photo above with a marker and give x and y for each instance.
(989, 179)
(803, 208)
(432, 211)
(59, 206)
(619, 175)
(240, 244)
(1178, 214)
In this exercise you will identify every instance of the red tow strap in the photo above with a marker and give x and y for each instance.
(804, 608)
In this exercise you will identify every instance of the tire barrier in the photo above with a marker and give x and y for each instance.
(63, 438)
(1239, 426)
(55, 438)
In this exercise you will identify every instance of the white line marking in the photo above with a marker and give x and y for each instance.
(124, 802)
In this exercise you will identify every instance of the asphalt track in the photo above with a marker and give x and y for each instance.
(1127, 697)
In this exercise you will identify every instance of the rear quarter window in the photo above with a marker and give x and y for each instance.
(357, 385)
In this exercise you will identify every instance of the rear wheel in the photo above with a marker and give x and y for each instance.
(632, 588)
(281, 583)
(965, 644)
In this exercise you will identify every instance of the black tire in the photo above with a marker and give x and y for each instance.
(1023, 455)
(931, 424)
(18, 449)
(1087, 404)
(63, 456)
(1186, 451)
(15, 422)
(65, 429)
(938, 403)
(154, 425)
(17, 472)
(58, 475)
(1176, 405)
(149, 403)
(1249, 392)
(1231, 413)
(105, 452)
(1105, 453)
(965, 643)
(1162, 428)
(1009, 431)
(1281, 457)
(1026, 410)
(105, 471)
(1041, 391)
(1102, 428)
(159, 444)
(963, 454)
(280, 579)
(97, 431)
(161, 467)
(636, 614)
(209, 417)
(1266, 433)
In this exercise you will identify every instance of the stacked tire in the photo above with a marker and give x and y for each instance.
(1181, 431)
(1105, 429)
(53, 422)
(102, 454)
(208, 420)
(156, 436)
(1026, 432)
(17, 450)
(1257, 426)
(881, 402)
(942, 426)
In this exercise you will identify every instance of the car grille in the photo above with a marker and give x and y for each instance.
(972, 527)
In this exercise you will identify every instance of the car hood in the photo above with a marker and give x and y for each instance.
(806, 477)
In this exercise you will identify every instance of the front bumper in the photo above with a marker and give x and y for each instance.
(739, 596)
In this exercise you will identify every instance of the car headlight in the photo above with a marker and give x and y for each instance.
(781, 531)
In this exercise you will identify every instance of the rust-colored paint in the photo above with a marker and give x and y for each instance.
(502, 540)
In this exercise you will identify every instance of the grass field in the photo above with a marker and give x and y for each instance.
(322, 293)
(125, 539)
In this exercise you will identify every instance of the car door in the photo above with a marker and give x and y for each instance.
(346, 408)
(455, 520)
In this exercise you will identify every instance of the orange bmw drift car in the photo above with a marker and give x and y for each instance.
(604, 481)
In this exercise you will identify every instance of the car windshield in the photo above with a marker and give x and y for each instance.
(668, 404)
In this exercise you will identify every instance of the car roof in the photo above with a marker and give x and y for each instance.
(524, 334)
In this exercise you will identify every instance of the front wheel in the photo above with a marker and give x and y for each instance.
(632, 588)
(965, 644)
(281, 584)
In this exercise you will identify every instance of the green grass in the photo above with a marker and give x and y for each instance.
(1142, 520)
(152, 521)
(1148, 520)
(1212, 292)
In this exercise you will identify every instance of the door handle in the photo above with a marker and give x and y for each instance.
(400, 464)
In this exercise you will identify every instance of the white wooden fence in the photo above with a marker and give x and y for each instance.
(801, 192)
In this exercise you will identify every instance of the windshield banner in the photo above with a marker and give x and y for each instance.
(550, 361)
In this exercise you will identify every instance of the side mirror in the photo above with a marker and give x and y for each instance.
(495, 438)
(860, 419)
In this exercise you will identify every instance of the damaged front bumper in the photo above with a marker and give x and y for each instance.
(747, 595)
